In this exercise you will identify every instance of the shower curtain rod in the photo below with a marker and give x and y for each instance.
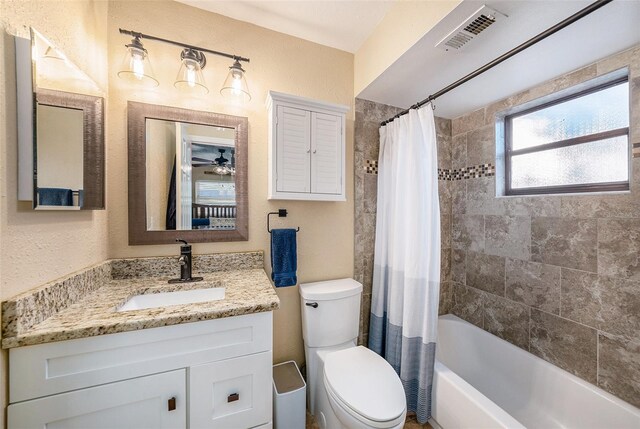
(548, 32)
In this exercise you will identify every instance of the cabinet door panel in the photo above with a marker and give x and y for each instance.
(230, 394)
(327, 153)
(292, 149)
(139, 403)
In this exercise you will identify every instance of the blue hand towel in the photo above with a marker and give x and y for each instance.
(284, 258)
(200, 222)
(55, 197)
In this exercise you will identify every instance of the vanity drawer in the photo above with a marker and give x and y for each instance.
(230, 394)
(52, 368)
(133, 404)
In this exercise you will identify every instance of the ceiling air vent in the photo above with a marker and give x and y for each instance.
(482, 19)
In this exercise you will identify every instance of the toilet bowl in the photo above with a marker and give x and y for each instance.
(349, 387)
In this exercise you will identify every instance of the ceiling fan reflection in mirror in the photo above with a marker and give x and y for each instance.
(220, 166)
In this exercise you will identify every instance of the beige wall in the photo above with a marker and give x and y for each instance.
(58, 243)
(46, 237)
(403, 25)
(65, 242)
(278, 62)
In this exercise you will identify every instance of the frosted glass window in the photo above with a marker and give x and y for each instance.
(600, 111)
(575, 144)
(215, 193)
(588, 163)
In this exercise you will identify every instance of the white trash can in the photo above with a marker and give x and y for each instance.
(289, 397)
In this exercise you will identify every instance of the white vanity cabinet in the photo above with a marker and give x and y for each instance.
(210, 374)
(306, 149)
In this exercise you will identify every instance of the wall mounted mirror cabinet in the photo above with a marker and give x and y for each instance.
(187, 175)
(60, 130)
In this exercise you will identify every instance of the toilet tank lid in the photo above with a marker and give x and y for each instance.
(330, 289)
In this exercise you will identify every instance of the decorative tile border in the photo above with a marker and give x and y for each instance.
(636, 150)
(445, 174)
(475, 171)
(371, 166)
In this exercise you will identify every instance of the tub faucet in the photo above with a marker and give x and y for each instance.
(185, 261)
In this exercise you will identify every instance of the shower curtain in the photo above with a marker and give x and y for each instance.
(406, 274)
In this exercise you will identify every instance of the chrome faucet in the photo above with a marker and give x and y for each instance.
(185, 261)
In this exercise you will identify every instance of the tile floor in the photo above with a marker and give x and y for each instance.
(410, 423)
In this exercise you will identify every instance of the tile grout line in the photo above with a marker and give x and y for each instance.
(597, 274)
(597, 246)
(560, 299)
(482, 308)
(597, 358)
(530, 322)
(505, 277)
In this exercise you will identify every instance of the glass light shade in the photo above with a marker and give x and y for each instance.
(190, 77)
(235, 85)
(136, 67)
(222, 170)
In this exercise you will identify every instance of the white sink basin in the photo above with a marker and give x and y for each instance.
(165, 299)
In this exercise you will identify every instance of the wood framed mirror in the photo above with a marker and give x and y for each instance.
(187, 175)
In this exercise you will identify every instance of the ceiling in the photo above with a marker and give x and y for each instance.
(424, 69)
(344, 24)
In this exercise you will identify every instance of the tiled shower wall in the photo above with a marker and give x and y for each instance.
(368, 118)
(558, 276)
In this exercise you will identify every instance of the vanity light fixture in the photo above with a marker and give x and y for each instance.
(190, 74)
(235, 85)
(136, 67)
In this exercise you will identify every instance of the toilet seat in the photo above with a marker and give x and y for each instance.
(351, 419)
(365, 386)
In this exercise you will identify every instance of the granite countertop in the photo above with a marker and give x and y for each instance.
(95, 313)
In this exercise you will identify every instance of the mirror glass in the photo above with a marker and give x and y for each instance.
(59, 156)
(68, 149)
(187, 175)
(191, 176)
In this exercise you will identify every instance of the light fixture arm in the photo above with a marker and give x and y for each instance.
(195, 56)
(135, 43)
(183, 45)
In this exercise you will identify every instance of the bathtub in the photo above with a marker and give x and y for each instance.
(482, 381)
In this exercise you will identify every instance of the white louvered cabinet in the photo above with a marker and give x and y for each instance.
(306, 149)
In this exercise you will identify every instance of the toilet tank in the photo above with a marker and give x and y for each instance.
(330, 312)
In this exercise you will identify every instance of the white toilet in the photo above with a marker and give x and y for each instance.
(349, 387)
